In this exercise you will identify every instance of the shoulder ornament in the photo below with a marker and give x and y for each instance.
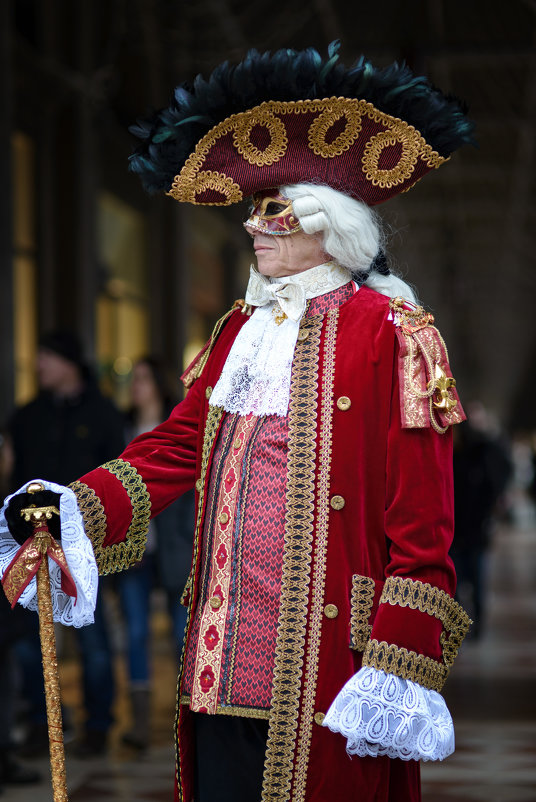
(428, 395)
(196, 367)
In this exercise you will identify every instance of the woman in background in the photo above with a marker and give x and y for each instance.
(167, 558)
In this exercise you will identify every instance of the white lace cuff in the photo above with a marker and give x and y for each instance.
(381, 714)
(80, 559)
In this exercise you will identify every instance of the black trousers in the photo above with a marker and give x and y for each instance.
(229, 758)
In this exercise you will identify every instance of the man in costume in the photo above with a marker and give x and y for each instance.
(316, 431)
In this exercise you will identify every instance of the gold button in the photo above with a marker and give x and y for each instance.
(237, 443)
(199, 485)
(215, 602)
(331, 611)
(223, 518)
(208, 392)
(344, 403)
(303, 334)
(337, 502)
(319, 718)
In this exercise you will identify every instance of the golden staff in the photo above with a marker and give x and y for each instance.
(42, 540)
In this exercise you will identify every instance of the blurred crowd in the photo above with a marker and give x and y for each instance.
(482, 475)
(68, 429)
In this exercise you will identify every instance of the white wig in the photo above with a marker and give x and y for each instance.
(351, 233)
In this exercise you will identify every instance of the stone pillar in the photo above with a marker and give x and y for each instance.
(7, 364)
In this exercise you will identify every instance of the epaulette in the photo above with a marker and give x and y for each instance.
(428, 395)
(196, 367)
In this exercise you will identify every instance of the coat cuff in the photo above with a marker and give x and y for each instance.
(118, 527)
(416, 633)
(382, 714)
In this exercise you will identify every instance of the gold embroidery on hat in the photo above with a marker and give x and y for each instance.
(181, 188)
(321, 125)
(209, 179)
(278, 138)
(406, 163)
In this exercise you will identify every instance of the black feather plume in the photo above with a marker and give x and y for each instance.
(169, 136)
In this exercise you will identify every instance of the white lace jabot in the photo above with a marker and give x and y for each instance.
(256, 374)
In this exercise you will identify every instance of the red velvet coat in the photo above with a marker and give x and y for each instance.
(367, 500)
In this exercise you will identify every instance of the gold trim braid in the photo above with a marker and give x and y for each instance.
(94, 519)
(136, 489)
(361, 603)
(290, 645)
(116, 556)
(212, 425)
(233, 710)
(402, 663)
(426, 598)
(320, 557)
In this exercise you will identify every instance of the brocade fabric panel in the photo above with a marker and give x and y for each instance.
(245, 669)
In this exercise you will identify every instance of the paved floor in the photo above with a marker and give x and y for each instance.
(491, 694)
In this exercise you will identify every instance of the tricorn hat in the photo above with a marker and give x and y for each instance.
(293, 116)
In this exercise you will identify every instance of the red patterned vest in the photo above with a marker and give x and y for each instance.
(230, 655)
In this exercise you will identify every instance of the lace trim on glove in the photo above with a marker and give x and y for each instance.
(381, 714)
(80, 559)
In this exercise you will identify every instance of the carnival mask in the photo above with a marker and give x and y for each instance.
(272, 214)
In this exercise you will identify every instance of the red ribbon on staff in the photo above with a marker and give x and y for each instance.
(25, 564)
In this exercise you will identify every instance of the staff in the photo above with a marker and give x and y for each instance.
(43, 541)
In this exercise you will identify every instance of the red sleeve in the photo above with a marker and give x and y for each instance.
(419, 524)
(417, 615)
(118, 499)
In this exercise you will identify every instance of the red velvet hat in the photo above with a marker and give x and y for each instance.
(294, 117)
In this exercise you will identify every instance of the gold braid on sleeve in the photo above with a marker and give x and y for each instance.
(393, 659)
(116, 556)
(405, 664)
(426, 598)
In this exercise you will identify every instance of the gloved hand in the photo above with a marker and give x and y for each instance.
(21, 529)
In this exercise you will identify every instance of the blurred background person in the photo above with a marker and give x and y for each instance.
(482, 471)
(13, 625)
(68, 428)
(166, 561)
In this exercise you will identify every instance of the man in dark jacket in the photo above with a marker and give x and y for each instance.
(68, 428)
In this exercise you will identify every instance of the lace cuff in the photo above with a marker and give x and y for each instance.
(381, 714)
(80, 559)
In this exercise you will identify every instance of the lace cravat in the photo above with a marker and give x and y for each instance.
(256, 374)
